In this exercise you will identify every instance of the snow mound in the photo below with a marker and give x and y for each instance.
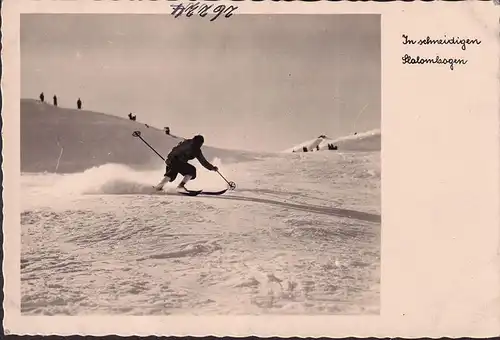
(61, 140)
(366, 141)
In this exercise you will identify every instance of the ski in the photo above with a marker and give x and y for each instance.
(202, 192)
(186, 193)
(213, 193)
(190, 192)
(194, 192)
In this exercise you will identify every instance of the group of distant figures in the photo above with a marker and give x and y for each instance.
(133, 117)
(54, 101)
(79, 103)
(330, 147)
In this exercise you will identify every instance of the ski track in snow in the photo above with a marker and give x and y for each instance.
(299, 235)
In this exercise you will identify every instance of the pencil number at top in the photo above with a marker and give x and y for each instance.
(202, 10)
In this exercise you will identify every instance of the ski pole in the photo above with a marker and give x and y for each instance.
(138, 134)
(232, 185)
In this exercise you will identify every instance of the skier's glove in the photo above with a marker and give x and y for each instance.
(214, 168)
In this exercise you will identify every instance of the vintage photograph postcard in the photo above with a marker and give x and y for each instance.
(218, 168)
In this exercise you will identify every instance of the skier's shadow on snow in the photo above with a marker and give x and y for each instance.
(353, 214)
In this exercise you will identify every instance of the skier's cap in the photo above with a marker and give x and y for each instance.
(199, 139)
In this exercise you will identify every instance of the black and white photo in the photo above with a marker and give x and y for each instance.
(194, 167)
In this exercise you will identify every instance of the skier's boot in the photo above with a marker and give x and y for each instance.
(159, 186)
(182, 185)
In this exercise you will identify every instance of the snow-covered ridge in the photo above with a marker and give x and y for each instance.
(366, 141)
(62, 140)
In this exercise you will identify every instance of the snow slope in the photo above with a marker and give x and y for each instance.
(65, 140)
(366, 141)
(299, 235)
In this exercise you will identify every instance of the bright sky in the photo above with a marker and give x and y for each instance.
(251, 82)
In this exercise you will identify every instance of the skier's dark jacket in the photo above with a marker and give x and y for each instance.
(186, 151)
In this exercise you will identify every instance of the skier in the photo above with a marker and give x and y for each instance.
(177, 162)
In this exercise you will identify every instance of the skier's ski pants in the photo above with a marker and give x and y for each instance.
(175, 167)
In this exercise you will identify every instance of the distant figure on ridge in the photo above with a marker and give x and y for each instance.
(304, 149)
(167, 130)
(317, 147)
(42, 97)
(177, 162)
(79, 104)
(131, 117)
(54, 99)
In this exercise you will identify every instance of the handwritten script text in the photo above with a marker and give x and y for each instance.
(407, 59)
(445, 41)
(428, 41)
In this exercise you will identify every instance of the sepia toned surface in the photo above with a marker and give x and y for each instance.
(439, 275)
(300, 235)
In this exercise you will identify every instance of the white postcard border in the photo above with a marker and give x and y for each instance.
(440, 183)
